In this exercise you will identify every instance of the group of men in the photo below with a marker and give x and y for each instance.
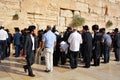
(78, 42)
(93, 46)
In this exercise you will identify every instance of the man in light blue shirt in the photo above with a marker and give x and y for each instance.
(106, 40)
(48, 44)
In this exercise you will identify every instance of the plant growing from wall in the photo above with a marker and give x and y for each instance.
(77, 21)
(15, 17)
(109, 23)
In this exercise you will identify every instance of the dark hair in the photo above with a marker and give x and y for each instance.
(31, 28)
(95, 27)
(102, 30)
(17, 29)
(69, 28)
(7, 30)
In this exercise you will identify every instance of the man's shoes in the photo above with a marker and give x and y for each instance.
(104, 62)
(116, 60)
(86, 66)
(31, 75)
(25, 69)
(47, 71)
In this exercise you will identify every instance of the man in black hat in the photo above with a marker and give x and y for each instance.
(87, 46)
(96, 45)
(117, 44)
(30, 49)
(67, 33)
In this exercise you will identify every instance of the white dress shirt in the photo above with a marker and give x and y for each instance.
(3, 35)
(75, 40)
(33, 41)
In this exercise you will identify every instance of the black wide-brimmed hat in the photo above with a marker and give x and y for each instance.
(69, 28)
(116, 30)
(85, 27)
(95, 27)
(31, 28)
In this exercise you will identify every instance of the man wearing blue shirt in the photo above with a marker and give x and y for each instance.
(17, 41)
(106, 40)
(48, 44)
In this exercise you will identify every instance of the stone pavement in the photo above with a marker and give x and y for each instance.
(11, 69)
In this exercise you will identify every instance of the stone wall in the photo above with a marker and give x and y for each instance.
(58, 12)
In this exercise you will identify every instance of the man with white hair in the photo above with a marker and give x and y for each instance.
(48, 44)
(74, 40)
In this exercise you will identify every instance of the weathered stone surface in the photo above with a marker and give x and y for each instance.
(94, 2)
(89, 17)
(61, 21)
(59, 12)
(113, 1)
(68, 21)
(96, 10)
(66, 13)
(117, 1)
(76, 12)
(114, 10)
(101, 18)
(81, 0)
(82, 7)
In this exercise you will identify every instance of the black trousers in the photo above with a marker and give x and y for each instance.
(8, 50)
(96, 58)
(74, 59)
(3, 47)
(87, 60)
(117, 54)
(30, 60)
(56, 56)
(63, 57)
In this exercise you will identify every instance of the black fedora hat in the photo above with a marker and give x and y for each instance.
(31, 28)
(85, 27)
(116, 30)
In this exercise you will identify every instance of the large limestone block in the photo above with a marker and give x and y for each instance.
(68, 21)
(96, 10)
(10, 2)
(82, 7)
(53, 5)
(1, 5)
(66, 13)
(67, 4)
(117, 0)
(98, 3)
(52, 13)
(113, 1)
(35, 6)
(81, 0)
(114, 10)
(61, 21)
(101, 18)
(89, 17)
(13, 7)
(101, 24)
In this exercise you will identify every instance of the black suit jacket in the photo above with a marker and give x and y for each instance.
(30, 56)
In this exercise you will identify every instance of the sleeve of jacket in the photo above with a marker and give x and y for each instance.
(26, 45)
